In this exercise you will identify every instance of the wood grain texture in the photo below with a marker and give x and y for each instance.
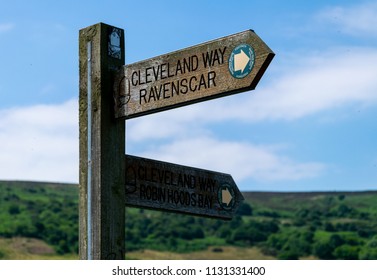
(107, 148)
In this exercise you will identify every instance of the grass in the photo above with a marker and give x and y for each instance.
(212, 253)
(20, 248)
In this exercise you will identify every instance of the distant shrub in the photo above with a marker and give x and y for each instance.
(14, 209)
(291, 244)
(323, 250)
(267, 213)
(369, 251)
(346, 252)
(288, 255)
(341, 197)
(244, 210)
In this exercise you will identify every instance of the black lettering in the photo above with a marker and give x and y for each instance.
(176, 197)
(207, 202)
(174, 88)
(143, 93)
(180, 180)
(152, 94)
(211, 78)
(193, 89)
(222, 54)
(188, 181)
(216, 58)
(170, 196)
(167, 176)
(200, 200)
(161, 192)
(148, 74)
(166, 90)
(169, 74)
(202, 183)
(143, 191)
(194, 63)
(186, 65)
(193, 180)
(211, 185)
(210, 58)
(153, 193)
(207, 185)
(155, 74)
(182, 198)
(139, 76)
(187, 199)
(134, 79)
(178, 69)
(159, 92)
(183, 84)
(202, 82)
(174, 182)
(163, 71)
(193, 199)
(207, 59)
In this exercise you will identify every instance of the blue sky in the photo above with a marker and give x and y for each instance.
(310, 125)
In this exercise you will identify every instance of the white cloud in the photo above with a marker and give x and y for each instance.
(184, 136)
(241, 160)
(5, 27)
(359, 20)
(40, 143)
(320, 82)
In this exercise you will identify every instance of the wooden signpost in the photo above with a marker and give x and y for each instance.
(111, 92)
(171, 187)
(214, 69)
(102, 145)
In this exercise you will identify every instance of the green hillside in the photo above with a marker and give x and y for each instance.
(44, 211)
(40, 220)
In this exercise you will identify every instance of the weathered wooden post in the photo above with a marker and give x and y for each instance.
(102, 145)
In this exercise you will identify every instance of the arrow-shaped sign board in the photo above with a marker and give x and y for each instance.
(171, 187)
(210, 70)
